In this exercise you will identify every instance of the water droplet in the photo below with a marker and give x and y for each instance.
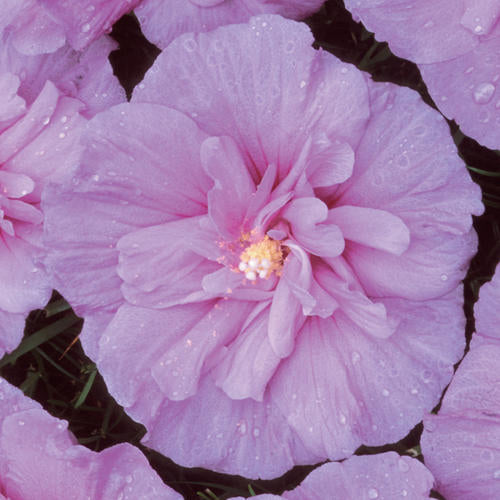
(496, 474)
(256, 432)
(355, 357)
(403, 466)
(95, 177)
(46, 121)
(385, 393)
(444, 277)
(469, 70)
(86, 27)
(189, 45)
(302, 84)
(430, 425)
(372, 493)
(484, 92)
(429, 24)
(128, 478)
(403, 161)
(62, 135)
(342, 419)
(404, 493)
(242, 428)
(426, 376)
(21, 422)
(414, 390)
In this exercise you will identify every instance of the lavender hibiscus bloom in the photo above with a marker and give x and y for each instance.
(267, 248)
(384, 476)
(39, 458)
(461, 444)
(163, 20)
(456, 45)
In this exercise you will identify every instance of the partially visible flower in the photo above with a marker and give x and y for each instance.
(39, 458)
(461, 445)
(86, 74)
(163, 20)
(456, 45)
(43, 26)
(384, 476)
(267, 249)
(39, 143)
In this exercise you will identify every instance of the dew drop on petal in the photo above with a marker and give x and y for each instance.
(483, 93)
(403, 465)
(496, 474)
(372, 493)
(86, 27)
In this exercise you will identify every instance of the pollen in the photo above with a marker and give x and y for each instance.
(261, 259)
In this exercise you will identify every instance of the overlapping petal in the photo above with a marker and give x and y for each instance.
(460, 444)
(39, 458)
(162, 21)
(43, 26)
(456, 45)
(386, 475)
(39, 143)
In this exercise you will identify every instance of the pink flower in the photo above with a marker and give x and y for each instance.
(39, 142)
(386, 475)
(40, 126)
(267, 249)
(163, 20)
(456, 45)
(43, 26)
(461, 444)
(39, 458)
(86, 75)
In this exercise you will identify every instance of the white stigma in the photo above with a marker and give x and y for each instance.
(253, 263)
(250, 275)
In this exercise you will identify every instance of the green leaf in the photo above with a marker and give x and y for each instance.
(86, 389)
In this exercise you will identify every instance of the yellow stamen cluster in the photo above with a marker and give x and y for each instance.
(261, 259)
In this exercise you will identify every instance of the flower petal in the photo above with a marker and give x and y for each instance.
(371, 227)
(223, 162)
(260, 103)
(384, 475)
(235, 436)
(403, 169)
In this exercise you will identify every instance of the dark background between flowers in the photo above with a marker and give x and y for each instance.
(51, 367)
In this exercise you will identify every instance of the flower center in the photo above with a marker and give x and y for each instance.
(261, 259)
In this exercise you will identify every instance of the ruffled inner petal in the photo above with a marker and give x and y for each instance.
(308, 217)
(249, 361)
(332, 162)
(178, 371)
(371, 227)
(223, 162)
(164, 265)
